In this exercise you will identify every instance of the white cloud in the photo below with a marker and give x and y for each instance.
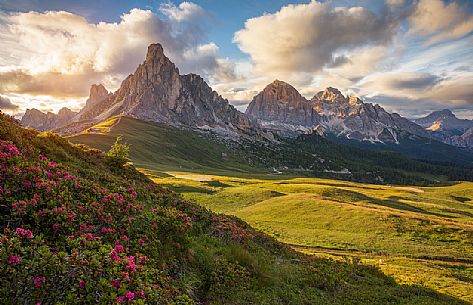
(186, 11)
(440, 21)
(307, 37)
(58, 53)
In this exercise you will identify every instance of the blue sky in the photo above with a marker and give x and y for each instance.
(412, 57)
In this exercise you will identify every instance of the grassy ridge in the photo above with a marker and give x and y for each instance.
(159, 148)
(421, 235)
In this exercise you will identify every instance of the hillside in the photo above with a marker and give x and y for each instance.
(419, 235)
(77, 230)
(161, 148)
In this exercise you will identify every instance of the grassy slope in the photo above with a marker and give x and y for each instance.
(419, 235)
(207, 264)
(159, 148)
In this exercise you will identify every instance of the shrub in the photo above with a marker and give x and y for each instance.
(119, 153)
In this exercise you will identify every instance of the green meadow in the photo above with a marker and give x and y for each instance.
(420, 236)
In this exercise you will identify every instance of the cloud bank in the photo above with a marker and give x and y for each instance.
(60, 54)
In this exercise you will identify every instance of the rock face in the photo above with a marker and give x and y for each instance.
(98, 93)
(279, 106)
(465, 140)
(41, 121)
(157, 92)
(444, 120)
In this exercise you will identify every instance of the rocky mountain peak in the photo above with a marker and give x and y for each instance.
(98, 92)
(41, 121)
(280, 103)
(280, 91)
(330, 94)
(443, 113)
(65, 112)
(444, 120)
(157, 92)
(155, 51)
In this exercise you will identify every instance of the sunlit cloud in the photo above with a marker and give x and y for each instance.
(60, 54)
(440, 21)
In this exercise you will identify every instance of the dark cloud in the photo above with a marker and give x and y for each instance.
(6, 104)
(239, 102)
(423, 81)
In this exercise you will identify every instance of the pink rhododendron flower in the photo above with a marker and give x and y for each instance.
(24, 233)
(82, 284)
(39, 281)
(13, 260)
(119, 248)
(130, 295)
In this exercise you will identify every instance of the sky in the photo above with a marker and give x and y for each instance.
(410, 56)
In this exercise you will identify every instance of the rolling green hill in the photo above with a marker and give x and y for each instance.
(419, 235)
(160, 148)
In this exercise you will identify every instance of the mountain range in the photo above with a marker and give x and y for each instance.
(156, 92)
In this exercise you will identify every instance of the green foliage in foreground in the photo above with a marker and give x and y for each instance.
(77, 231)
(119, 153)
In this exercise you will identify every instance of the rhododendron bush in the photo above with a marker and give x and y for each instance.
(70, 238)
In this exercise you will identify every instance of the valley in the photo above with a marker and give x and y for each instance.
(420, 236)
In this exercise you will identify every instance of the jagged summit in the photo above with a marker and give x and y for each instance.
(155, 51)
(157, 92)
(280, 107)
(330, 94)
(41, 121)
(444, 120)
(98, 92)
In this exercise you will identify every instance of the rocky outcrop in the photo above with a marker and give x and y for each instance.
(465, 140)
(279, 106)
(41, 121)
(444, 120)
(98, 93)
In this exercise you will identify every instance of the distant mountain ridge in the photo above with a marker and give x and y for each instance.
(444, 120)
(280, 107)
(41, 121)
(446, 127)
